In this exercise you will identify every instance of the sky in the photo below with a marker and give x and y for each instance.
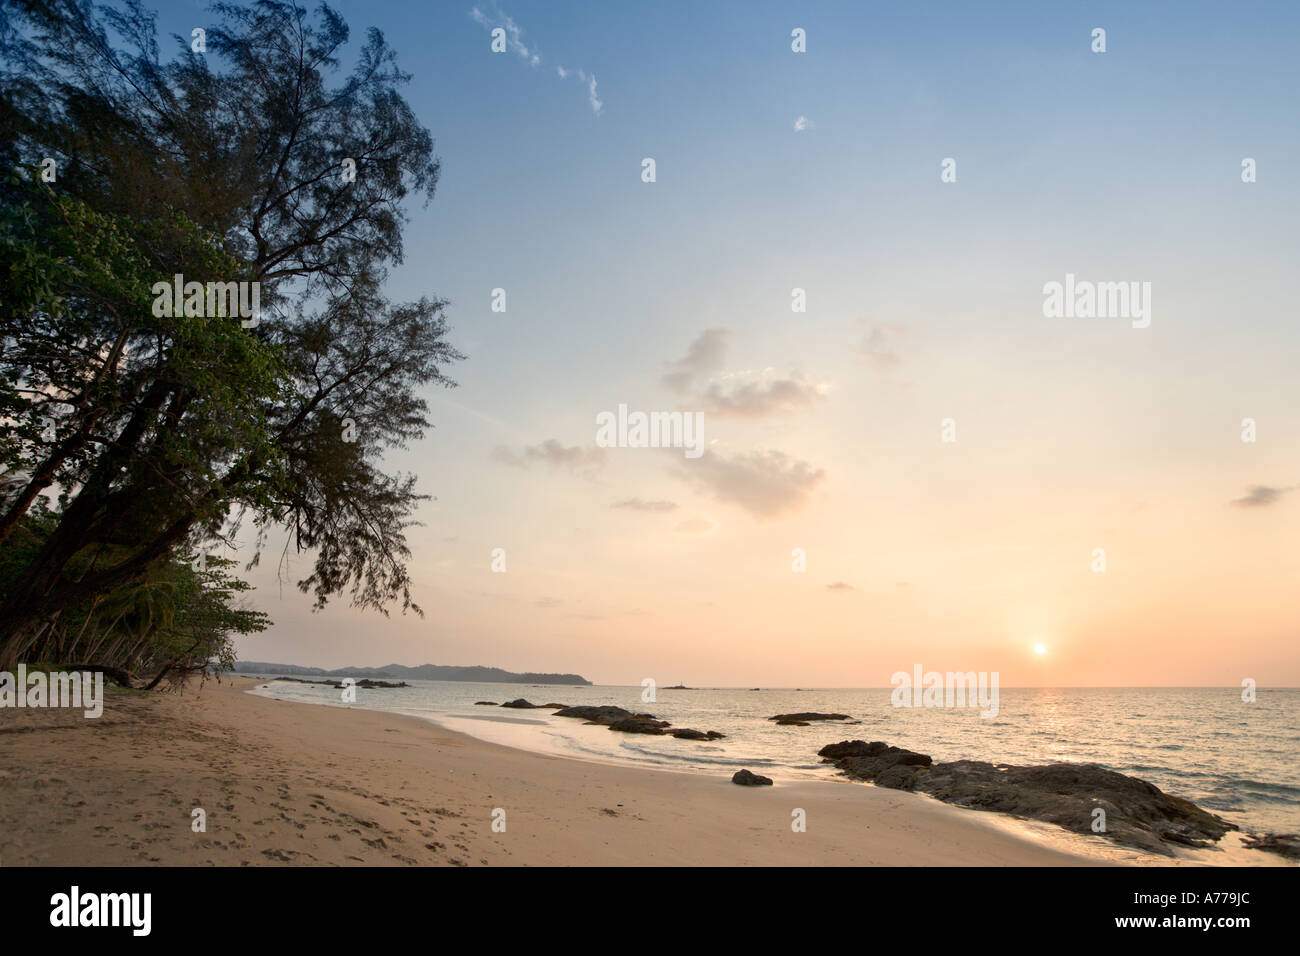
(825, 429)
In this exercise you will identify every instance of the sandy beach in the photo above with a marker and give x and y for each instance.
(287, 783)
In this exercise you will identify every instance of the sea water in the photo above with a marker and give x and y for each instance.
(1238, 759)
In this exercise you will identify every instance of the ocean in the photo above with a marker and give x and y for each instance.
(1240, 760)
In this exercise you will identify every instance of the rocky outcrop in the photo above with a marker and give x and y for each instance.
(520, 704)
(746, 779)
(364, 682)
(686, 733)
(1286, 844)
(866, 761)
(639, 725)
(1137, 813)
(605, 714)
(616, 718)
(485, 703)
(804, 718)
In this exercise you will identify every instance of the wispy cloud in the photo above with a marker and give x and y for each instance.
(637, 504)
(514, 35)
(515, 42)
(750, 395)
(802, 123)
(879, 346)
(766, 484)
(1261, 496)
(592, 99)
(702, 358)
(840, 586)
(580, 461)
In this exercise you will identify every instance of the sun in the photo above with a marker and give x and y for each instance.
(1040, 649)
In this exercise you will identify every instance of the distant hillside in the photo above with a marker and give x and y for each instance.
(476, 674)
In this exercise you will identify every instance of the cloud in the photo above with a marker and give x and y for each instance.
(840, 586)
(590, 79)
(514, 35)
(1261, 496)
(765, 484)
(583, 461)
(802, 123)
(762, 395)
(701, 359)
(879, 344)
(694, 526)
(740, 394)
(635, 612)
(548, 602)
(636, 504)
(515, 41)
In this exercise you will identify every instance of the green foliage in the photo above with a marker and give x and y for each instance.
(174, 618)
(159, 432)
(81, 340)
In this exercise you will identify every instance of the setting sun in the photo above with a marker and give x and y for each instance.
(1040, 649)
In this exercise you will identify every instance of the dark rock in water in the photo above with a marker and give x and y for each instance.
(872, 767)
(554, 706)
(747, 779)
(810, 716)
(520, 704)
(1138, 814)
(686, 733)
(792, 723)
(852, 748)
(604, 714)
(485, 703)
(866, 761)
(1287, 844)
(365, 682)
(636, 725)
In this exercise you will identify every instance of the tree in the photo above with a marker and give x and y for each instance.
(174, 620)
(165, 429)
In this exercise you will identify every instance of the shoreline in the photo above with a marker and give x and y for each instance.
(1229, 851)
(285, 782)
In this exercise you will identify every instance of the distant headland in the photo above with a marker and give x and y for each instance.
(474, 674)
